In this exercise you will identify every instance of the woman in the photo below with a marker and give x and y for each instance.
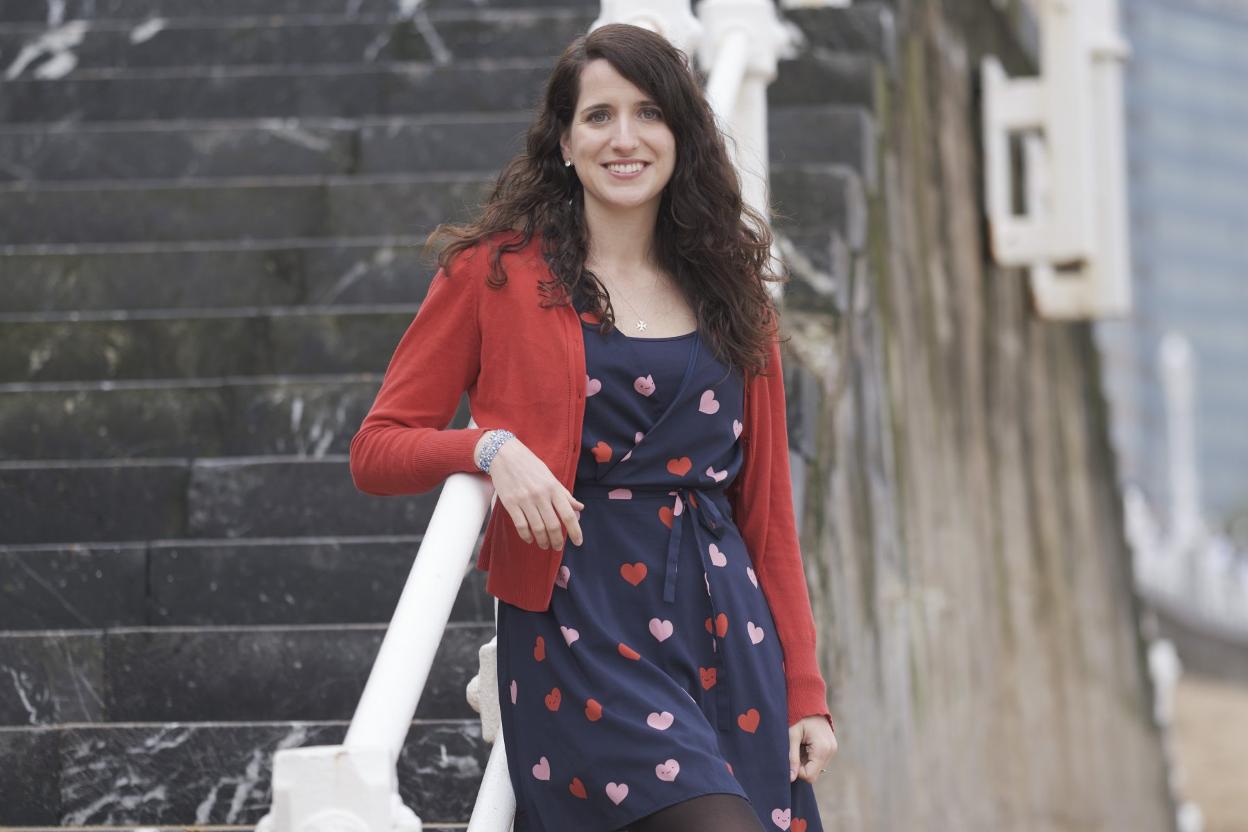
(644, 680)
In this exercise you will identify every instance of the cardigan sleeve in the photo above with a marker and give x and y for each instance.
(403, 445)
(773, 541)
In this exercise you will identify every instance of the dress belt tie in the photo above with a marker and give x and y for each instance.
(699, 503)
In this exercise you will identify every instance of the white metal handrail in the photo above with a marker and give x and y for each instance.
(354, 786)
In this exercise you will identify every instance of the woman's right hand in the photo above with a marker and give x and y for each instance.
(538, 503)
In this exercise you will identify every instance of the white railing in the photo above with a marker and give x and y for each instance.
(1192, 572)
(353, 787)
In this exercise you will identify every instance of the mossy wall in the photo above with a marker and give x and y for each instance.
(962, 527)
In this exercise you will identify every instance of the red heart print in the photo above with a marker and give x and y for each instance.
(628, 652)
(665, 514)
(748, 721)
(577, 788)
(799, 825)
(708, 677)
(679, 467)
(634, 573)
(709, 627)
(553, 699)
(721, 624)
(539, 649)
(601, 451)
(593, 710)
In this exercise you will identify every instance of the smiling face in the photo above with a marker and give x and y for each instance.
(619, 142)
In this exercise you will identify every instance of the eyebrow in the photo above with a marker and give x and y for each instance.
(643, 103)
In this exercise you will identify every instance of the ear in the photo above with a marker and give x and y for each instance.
(564, 148)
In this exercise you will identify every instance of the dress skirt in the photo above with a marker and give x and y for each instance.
(655, 675)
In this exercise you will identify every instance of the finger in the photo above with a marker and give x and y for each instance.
(521, 523)
(550, 520)
(570, 521)
(536, 525)
(795, 744)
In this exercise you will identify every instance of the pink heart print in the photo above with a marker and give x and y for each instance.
(660, 721)
(756, 632)
(569, 635)
(592, 386)
(513, 691)
(717, 557)
(644, 385)
(542, 770)
(718, 476)
(617, 792)
(620, 493)
(638, 436)
(707, 403)
(667, 771)
(562, 578)
(661, 629)
(749, 570)
(782, 819)
(736, 428)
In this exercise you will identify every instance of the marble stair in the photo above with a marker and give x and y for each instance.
(212, 218)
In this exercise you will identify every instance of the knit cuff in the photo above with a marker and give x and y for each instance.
(449, 451)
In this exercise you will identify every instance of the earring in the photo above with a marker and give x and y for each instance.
(567, 163)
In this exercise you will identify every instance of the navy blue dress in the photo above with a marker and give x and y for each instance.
(655, 675)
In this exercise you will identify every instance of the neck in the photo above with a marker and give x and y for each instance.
(621, 240)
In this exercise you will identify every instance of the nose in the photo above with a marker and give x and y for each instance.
(625, 135)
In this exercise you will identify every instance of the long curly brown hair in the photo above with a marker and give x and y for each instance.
(716, 248)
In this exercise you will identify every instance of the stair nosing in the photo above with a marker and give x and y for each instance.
(198, 312)
(298, 180)
(259, 123)
(208, 542)
(198, 383)
(277, 21)
(217, 72)
(157, 461)
(196, 246)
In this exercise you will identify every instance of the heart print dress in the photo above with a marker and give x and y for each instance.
(655, 675)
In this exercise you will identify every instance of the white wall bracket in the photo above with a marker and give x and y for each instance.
(1072, 231)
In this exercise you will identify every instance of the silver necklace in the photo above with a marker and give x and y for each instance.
(641, 324)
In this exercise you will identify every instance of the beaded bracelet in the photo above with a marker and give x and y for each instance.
(492, 444)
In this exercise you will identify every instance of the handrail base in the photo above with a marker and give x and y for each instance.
(336, 788)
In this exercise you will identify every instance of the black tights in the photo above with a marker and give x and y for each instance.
(708, 813)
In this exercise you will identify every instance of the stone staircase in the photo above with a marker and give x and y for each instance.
(212, 219)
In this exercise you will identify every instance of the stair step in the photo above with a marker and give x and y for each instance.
(212, 583)
(209, 773)
(355, 90)
(169, 345)
(282, 415)
(133, 500)
(38, 11)
(294, 40)
(253, 209)
(262, 147)
(220, 674)
(333, 206)
(320, 90)
(180, 275)
(864, 27)
(310, 147)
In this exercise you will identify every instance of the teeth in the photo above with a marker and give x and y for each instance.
(633, 168)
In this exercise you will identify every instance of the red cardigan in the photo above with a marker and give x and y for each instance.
(523, 367)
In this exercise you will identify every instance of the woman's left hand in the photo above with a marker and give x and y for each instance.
(813, 737)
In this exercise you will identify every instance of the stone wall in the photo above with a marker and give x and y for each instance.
(961, 524)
